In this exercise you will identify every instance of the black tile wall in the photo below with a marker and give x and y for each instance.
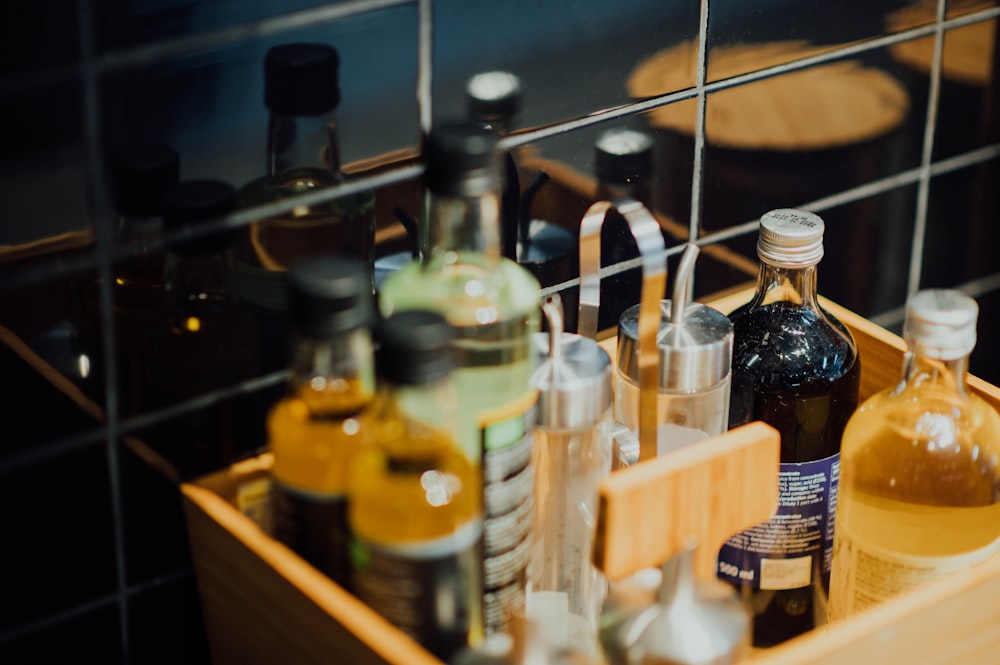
(65, 512)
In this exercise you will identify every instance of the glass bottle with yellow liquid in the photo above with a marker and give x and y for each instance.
(315, 431)
(919, 489)
(493, 303)
(301, 91)
(415, 499)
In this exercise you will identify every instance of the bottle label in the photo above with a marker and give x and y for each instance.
(508, 483)
(867, 574)
(795, 545)
(253, 499)
(428, 589)
(315, 527)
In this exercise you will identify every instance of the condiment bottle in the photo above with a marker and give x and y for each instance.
(320, 425)
(493, 303)
(920, 467)
(572, 455)
(695, 344)
(796, 368)
(415, 500)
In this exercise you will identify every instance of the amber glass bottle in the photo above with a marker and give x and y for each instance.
(302, 92)
(316, 429)
(796, 368)
(920, 467)
(415, 501)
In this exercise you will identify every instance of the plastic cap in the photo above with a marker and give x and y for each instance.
(941, 323)
(790, 238)
(415, 348)
(329, 295)
(462, 160)
(623, 155)
(301, 79)
(494, 97)
(190, 202)
(140, 175)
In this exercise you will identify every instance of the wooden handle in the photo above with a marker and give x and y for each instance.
(708, 491)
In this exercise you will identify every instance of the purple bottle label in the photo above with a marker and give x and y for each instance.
(793, 547)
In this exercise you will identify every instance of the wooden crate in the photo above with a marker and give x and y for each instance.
(263, 604)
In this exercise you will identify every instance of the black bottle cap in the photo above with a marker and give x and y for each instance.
(301, 79)
(494, 98)
(140, 175)
(191, 202)
(330, 294)
(462, 159)
(623, 155)
(415, 348)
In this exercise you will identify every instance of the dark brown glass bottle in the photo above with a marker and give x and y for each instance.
(796, 368)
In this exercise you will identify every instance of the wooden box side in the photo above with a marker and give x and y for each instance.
(263, 604)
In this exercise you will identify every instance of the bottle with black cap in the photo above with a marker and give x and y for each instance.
(796, 368)
(623, 166)
(318, 427)
(140, 174)
(493, 302)
(205, 341)
(415, 502)
(302, 92)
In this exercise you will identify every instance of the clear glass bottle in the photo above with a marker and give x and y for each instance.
(317, 428)
(795, 367)
(415, 503)
(572, 456)
(493, 303)
(920, 467)
(205, 340)
(302, 93)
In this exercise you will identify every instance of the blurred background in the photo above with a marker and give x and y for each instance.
(880, 116)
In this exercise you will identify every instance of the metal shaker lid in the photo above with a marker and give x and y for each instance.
(694, 342)
(573, 375)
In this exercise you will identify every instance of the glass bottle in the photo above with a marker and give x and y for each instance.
(623, 166)
(302, 92)
(415, 504)
(920, 467)
(140, 176)
(572, 455)
(317, 428)
(493, 303)
(205, 340)
(796, 368)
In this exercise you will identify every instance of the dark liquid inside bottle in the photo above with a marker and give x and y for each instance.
(795, 371)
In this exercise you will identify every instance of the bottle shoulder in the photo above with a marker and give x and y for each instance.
(461, 290)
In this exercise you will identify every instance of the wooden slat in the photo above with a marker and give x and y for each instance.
(708, 491)
(263, 604)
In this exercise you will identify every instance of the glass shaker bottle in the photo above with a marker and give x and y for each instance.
(695, 345)
(572, 456)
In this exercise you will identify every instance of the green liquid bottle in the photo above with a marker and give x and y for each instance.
(493, 304)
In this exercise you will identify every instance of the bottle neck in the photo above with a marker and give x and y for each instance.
(921, 368)
(302, 141)
(343, 356)
(782, 284)
(462, 230)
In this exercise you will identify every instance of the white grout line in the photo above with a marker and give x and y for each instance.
(425, 63)
(924, 183)
(697, 170)
(101, 208)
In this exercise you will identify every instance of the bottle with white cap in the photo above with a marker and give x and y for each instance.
(920, 468)
(796, 368)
